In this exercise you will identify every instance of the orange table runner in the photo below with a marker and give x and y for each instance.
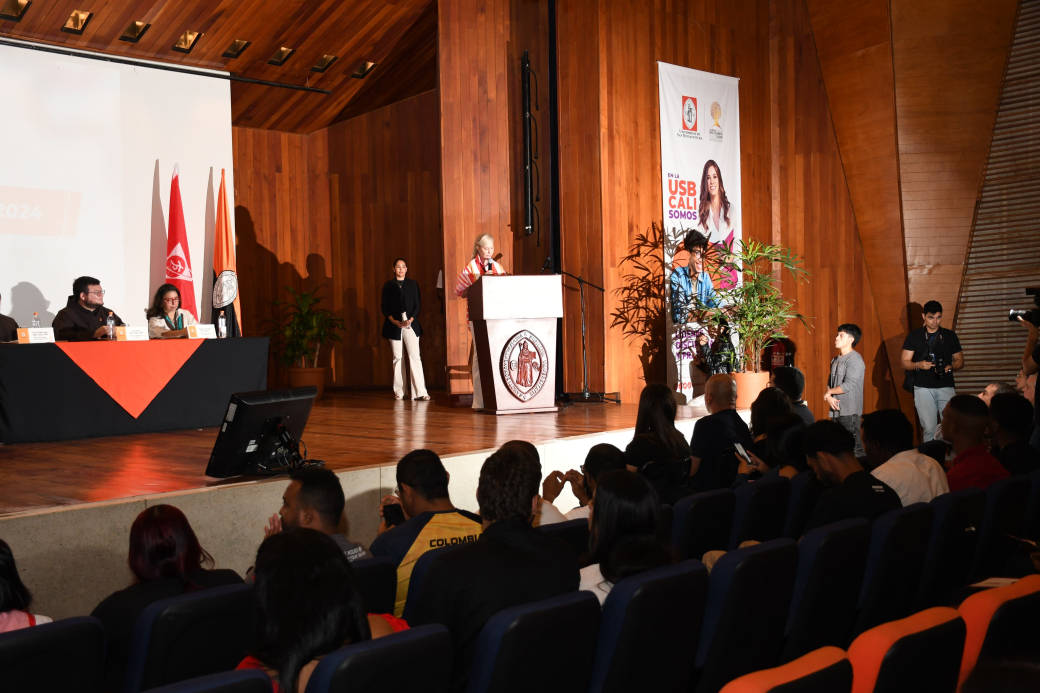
(132, 373)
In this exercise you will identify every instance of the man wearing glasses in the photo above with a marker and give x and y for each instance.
(85, 316)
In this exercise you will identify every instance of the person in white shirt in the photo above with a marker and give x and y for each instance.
(166, 315)
(600, 459)
(888, 440)
(623, 532)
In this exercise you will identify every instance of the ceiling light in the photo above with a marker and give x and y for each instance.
(363, 70)
(187, 41)
(280, 56)
(77, 22)
(236, 48)
(134, 32)
(14, 9)
(324, 63)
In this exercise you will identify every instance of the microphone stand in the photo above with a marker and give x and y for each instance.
(587, 395)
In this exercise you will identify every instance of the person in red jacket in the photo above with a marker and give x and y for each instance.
(972, 464)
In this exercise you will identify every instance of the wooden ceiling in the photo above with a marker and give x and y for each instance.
(354, 31)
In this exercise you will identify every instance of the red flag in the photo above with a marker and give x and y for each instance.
(225, 272)
(178, 260)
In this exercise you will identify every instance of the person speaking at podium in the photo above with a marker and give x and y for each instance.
(166, 318)
(84, 317)
(483, 262)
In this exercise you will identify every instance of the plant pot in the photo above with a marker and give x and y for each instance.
(748, 387)
(302, 377)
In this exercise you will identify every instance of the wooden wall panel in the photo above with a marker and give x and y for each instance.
(946, 104)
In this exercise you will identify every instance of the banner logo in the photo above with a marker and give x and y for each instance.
(524, 365)
(715, 132)
(177, 265)
(225, 289)
(689, 113)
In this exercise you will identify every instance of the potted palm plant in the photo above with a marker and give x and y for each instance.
(299, 335)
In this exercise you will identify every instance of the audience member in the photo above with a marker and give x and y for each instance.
(1020, 380)
(1030, 367)
(166, 561)
(15, 598)
(791, 382)
(600, 459)
(888, 439)
(511, 563)
(622, 532)
(314, 499)
(844, 395)
(855, 493)
(431, 520)
(964, 424)
(714, 435)
(785, 451)
(996, 388)
(770, 402)
(658, 451)
(307, 605)
(1011, 423)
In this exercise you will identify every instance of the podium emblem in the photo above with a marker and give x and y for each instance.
(525, 365)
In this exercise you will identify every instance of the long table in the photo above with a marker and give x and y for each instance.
(73, 390)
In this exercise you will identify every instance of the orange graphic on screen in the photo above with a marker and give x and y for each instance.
(36, 212)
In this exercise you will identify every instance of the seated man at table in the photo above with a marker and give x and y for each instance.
(8, 329)
(84, 317)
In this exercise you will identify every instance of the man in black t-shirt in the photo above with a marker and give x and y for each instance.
(854, 492)
(1030, 366)
(1011, 423)
(714, 435)
(791, 382)
(923, 351)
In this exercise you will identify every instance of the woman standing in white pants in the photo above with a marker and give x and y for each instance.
(483, 262)
(400, 307)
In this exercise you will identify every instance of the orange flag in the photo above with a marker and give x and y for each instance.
(225, 269)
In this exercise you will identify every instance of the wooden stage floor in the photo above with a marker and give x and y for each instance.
(346, 429)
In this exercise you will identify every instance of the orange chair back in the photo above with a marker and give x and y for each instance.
(768, 679)
(978, 610)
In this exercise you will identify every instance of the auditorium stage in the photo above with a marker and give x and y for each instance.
(349, 430)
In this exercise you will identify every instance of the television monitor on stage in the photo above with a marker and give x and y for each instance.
(260, 425)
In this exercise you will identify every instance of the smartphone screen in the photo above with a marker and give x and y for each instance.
(393, 514)
(743, 454)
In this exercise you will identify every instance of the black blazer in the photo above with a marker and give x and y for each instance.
(397, 301)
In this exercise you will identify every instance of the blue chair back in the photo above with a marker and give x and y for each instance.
(245, 681)
(749, 595)
(702, 522)
(637, 648)
(760, 510)
(67, 656)
(955, 533)
(542, 646)
(574, 532)
(418, 659)
(806, 490)
(190, 635)
(1032, 523)
(898, 546)
(377, 581)
(1006, 502)
(419, 570)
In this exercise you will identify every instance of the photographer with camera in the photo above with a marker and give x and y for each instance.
(930, 355)
(1031, 358)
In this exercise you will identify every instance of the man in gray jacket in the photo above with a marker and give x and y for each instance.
(844, 393)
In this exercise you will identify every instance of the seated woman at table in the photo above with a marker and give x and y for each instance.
(166, 315)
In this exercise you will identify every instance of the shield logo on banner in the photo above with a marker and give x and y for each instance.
(524, 365)
(689, 113)
(177, 265)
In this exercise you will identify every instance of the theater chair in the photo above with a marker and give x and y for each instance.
(377, 580)
(955, 532)
(412, 660)
(245, 681)
(419, 570)
(918, 653)
(1006, 502)
(806, 490)
(831, 563)
(637, 648)
(574, 532)
(702, 522)
(189, 636)
(1031, 529)
(1002, 625)
(66, 656)
(760, 510)
(664, 523)
(749, 595)
(898, 545)
(543, 646)
(826, 670)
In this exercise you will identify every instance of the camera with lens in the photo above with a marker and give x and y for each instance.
(1031, 316)
(936, 354)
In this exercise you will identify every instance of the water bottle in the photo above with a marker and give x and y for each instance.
(222, 326)
(110, 326)
(36, 320)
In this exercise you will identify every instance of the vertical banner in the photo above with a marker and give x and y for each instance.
(700, 193)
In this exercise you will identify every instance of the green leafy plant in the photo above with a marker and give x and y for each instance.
(303, 329)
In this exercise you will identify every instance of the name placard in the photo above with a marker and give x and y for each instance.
(126, 333)
(202, 332)
(35, 335)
